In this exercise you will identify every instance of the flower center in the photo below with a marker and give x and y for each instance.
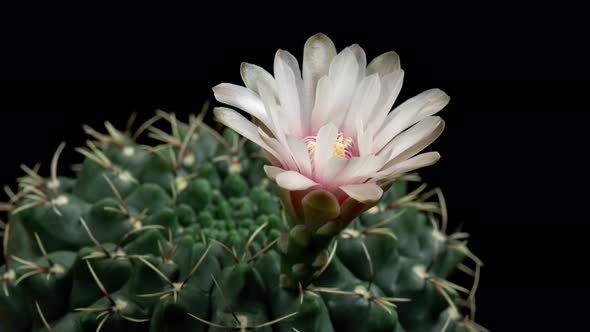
(342, 146)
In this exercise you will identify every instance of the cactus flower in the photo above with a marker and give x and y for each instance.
(329, 125)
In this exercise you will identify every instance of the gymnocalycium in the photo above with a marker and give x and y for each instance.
(325, 228)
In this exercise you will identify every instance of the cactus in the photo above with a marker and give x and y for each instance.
(185, 235)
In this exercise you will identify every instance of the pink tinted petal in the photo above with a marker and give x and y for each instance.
(282, 150)
(365, 192)
(272, 171)
(292, 180)
(300, 154)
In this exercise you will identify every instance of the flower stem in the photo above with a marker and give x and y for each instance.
(304, 253)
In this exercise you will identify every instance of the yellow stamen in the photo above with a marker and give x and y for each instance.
(342, 146)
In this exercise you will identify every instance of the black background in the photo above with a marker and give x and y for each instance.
(514, 150)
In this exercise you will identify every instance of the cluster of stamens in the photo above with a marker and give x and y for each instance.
(342, 146)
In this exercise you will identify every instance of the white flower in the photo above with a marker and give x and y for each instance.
(329, 125)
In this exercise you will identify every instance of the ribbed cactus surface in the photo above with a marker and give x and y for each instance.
(182, 234)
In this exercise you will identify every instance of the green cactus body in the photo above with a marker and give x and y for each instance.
(184, 235)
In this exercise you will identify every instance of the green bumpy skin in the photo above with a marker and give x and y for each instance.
(183, 236)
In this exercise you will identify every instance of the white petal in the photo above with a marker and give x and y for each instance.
(281, 149)
(391, 85)
(322, 107)
(277, 124)
(344, 69)
(239, 123)
(384, 64)
(344, 65)
(290, 61)
(289, 86)
(360, 169)
(324, 148)
(410, 112)
(242, 98)
(365, 192)
(364, 100)
(273, 171)
(419, 161)
(335, 165)
(253, 74)
(433, 101)
(344, 77)
(361, 59)
(414, 140)
(351, 170)
(300, 154)
(318, 53)
(364, 141)
(292, 180)
(244, 127)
